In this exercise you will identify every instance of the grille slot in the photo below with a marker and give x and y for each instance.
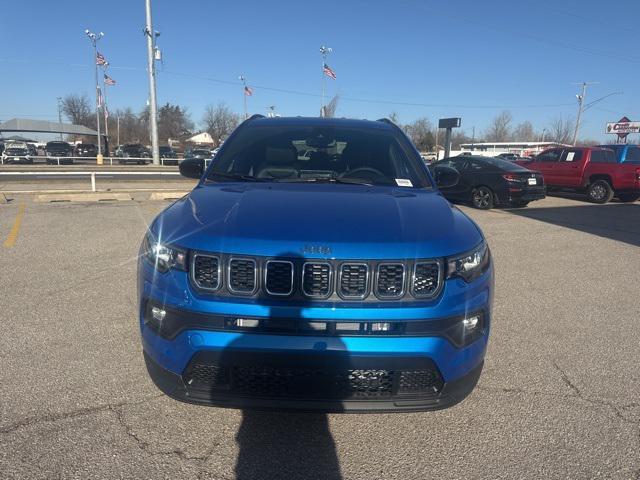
(316, 280)
(390, 281)
(206, 272)
(354, 280)
(420, 381)
(279, 277)
(426, 279)
(242, 275)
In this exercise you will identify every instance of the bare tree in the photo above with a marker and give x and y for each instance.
(421, 134)
(77, 109)
(561, 130)
(219, 121)
(331, 107)
(393, 116)
(500, 128)
(524, 132)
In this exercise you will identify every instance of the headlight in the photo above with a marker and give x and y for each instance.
(470, 265)
(163, 257)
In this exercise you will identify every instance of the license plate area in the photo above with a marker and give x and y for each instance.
(532, 181)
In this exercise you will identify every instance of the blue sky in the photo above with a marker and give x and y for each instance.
(467, 58)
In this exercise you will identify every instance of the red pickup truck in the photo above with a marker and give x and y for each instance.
(588, 169)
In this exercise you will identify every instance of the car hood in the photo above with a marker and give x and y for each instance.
(317, 221)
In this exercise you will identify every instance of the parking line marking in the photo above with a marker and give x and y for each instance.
(15, 230)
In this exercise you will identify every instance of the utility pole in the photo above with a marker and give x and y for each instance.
(60, 115)
(580, 98)
(93, 37)
(324, 51)
(118, 129)
(153, 105)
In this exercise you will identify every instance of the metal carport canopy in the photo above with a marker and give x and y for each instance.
(42, 126)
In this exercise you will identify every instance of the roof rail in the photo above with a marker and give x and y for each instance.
(386, 120)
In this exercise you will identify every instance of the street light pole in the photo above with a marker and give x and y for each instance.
(324, 51)
(93, 37)
(153, 105)
(580, 104)
(104, 99)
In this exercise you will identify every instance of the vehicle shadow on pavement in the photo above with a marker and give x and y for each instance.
(285, 445)
(616, 221)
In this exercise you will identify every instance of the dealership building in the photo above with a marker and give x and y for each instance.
(523, 149)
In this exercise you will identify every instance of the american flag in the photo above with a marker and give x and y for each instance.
(100, 60)
(106, 111)
(100, 98)
(328, 72)
(248, 91)
(108, 80)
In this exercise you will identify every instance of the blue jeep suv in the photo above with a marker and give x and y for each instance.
(315, 266)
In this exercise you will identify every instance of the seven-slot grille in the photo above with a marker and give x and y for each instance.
(426, 279)
(206, 271)
(390, 281)
(316, 279)
(353, 280)
(279, 277)
(242, 275)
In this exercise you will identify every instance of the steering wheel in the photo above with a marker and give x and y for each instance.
(352, 173)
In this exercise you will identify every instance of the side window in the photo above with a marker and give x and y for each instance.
(603, 156)
(549, 156)
(474, 166)
(633, 155)
(572, 156)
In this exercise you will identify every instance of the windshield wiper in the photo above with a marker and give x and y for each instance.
(237, 176)
(349, 181)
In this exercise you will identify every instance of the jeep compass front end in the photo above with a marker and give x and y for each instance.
(315, 266)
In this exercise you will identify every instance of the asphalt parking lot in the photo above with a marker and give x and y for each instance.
(559, 396)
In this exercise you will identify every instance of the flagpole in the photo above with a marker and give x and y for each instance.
(104, 107)
(244, 94)
(94, 39)
(324, 51)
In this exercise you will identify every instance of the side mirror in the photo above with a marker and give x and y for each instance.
(446, 176)
(192, 168)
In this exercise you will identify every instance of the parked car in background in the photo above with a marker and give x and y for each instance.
(16, 152)
(33, 149)
(591, 170)
(133, 153)
(486, 182)
(86, 150)
(199, 153)
(625, 153)
(58, 152)
(168, 155)
(508, 156)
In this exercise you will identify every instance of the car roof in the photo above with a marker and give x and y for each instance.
(322, 122)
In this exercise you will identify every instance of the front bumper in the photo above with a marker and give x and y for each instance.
(267, 369)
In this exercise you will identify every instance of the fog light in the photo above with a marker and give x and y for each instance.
(247, 322)
(158, 313)
(471, 323)
(380, 327)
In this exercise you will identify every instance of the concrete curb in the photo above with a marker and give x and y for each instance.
(175, 195)
(83, 197)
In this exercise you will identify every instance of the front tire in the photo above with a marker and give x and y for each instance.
(629, 197)
(600, 192)
(482, 198)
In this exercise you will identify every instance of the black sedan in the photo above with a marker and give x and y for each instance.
(486, 182)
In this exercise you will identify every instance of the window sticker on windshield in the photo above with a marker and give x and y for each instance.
(570, 156)
(404, 182)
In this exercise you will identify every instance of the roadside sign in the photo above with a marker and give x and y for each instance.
(623, 127)
(449, 122)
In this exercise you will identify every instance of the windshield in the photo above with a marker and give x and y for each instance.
(304, 153)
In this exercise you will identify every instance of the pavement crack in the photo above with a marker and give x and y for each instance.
(567, 381)
(81, 412)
